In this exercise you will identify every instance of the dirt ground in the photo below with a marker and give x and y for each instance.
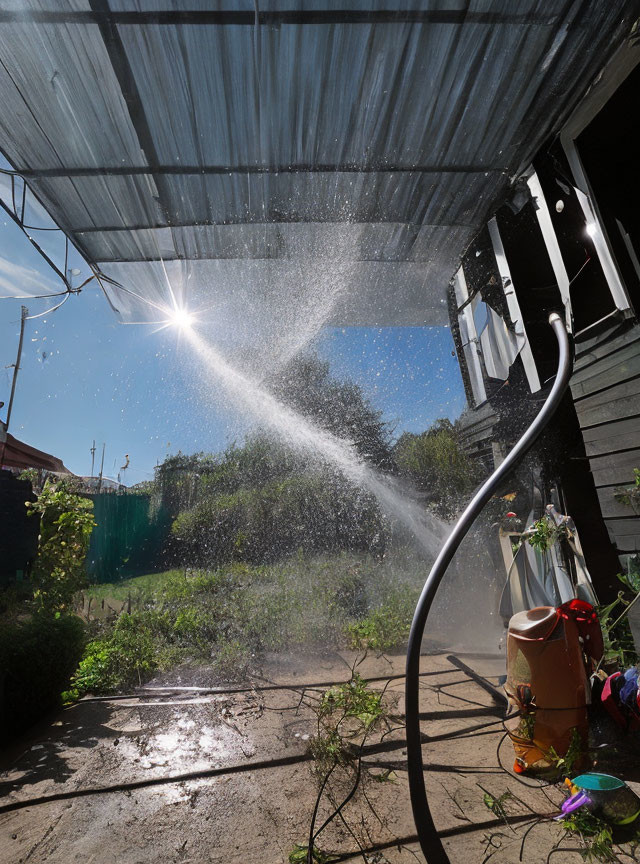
(185, 775)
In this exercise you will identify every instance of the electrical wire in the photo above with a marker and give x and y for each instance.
(52, 309)
(430, 841)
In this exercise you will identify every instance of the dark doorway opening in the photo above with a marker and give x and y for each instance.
(608, 148)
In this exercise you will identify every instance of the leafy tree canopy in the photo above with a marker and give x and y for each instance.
(339, 407)
(436, 463)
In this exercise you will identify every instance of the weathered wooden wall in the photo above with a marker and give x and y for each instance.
(606, 393)
(477, 432)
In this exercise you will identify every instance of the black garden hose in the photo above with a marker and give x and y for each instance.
(430, 842)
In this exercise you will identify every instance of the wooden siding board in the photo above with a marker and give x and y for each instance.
(622, 541)
(584, 367)
(480, 437)
(609, 412)
(625, 527)
(609, 506)
(605, 344)
(613, 468)
(610, 371)
(623, 435)
(624, 391)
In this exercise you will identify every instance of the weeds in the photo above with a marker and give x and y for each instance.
(300, 855)
(497, 805)
(227, 617)
(596, 835)
(124, 659)
(386, 627)
(346, 716)
(572, 758)
(619, 646)
(329, 749)
(353, 699)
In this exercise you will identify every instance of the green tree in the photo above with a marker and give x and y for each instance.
(339, 407)
(182, 481)
(436, 463)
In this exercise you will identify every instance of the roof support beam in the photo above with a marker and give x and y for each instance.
(310, 168)
(101, 14)
(123, 72)
(249, 258)
(291, 220)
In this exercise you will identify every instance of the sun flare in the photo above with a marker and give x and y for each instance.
(181, 318)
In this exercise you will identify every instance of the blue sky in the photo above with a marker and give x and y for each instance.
(84, 376)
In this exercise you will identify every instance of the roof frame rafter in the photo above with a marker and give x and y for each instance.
(122, 70)
(101, 14)
(308, 168)
(292, 220)
(248, 258)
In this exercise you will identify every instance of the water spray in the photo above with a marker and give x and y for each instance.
(430, 842)
(251, 397)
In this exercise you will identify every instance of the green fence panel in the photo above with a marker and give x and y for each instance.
(128, 537)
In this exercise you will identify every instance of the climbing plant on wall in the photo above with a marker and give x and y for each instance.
(66, 522)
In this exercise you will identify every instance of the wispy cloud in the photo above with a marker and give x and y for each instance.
(17, 280)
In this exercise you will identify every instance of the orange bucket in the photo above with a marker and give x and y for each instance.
(547, 682)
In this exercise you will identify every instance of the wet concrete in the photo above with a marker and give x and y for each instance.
(158, 751)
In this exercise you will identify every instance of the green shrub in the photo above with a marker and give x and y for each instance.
(437, 464)
(356, 699)
(311, 513)
(37, 658)
(232, 660)
(228, 616)
(386, 627)
(124, 659)
(66, 523)
(95, 673)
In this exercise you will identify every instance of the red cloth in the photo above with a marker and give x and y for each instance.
(19, 455)
(589, 630)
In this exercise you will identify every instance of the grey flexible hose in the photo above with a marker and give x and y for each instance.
(430, 842)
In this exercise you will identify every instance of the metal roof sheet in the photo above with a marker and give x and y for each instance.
(246, 145)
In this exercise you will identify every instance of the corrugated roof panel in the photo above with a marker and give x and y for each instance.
(94, 202)
(270, 240)
(61, 102)
(263, 132)
(360, 293)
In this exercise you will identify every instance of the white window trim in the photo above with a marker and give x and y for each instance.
(599, 234)
(551, 242)
(513, 306)
(617, 70)
(475, 371)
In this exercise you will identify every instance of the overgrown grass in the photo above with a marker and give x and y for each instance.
(387, 625)
(141, 589)
(227, 618)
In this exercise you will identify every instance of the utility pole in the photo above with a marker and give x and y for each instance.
(16, 368)
(93, 454)
(101, 469)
